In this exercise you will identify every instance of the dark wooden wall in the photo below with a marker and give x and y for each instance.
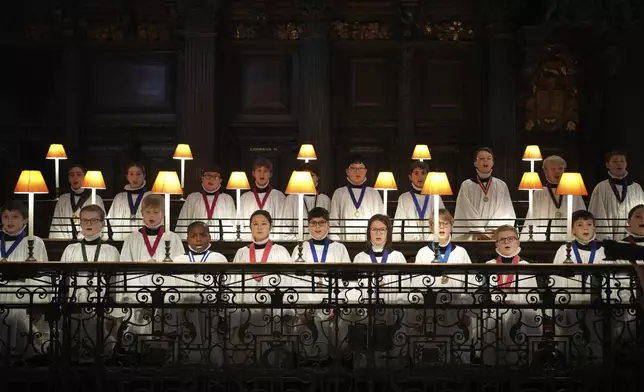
(125, 81)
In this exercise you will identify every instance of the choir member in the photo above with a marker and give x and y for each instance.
(262, 196)
(483, 202)
(449, 324)
(613, 198)
(65, 220)
(415, 208)
(211, 205)
(248, 326)
(635, 229)
(505, 329)
(290, 213)
(353, 204)
(548, 211)
(125, 212)
(15, 331)
(319, 248)
(83, 287)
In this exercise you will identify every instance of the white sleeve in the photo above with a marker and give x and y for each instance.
(335, 225)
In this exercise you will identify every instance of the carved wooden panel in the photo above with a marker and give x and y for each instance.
(265, 84)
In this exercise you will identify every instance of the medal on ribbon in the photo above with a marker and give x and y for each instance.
(77, 205)
(324, 251)
(420, 211)
(505, 282)
(383, 260)
(579, 260)
(264, 259)
(555, 201)
(485, 188)
(443, 258)
(152, 248)
(210, 208)
(261, 203)
(6, 253)
(357, 203)
(134, 205)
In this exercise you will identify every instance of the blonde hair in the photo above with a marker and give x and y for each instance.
(444, 214)
(503, 228)
(152, 201)
(554, 158)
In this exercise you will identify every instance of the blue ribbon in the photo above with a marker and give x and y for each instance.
(443, 258)
(357, 203)
(134, 207)
(6, 253)
(385, 255)
(324, 251)
(591, 259)
(421, 212)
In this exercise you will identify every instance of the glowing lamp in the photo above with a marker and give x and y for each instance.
(436, 184)
(93, 180)
(57, 152)
(307, 153)
(31, 182)
(238, 181)
(386, 182)
(421, 152)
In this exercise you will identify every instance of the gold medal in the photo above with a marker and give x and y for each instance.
(558, 214)
(75, 219)
(356, 214)
(319, 283)
(381, 282)
(5, 259)
(444, 279)
(132, 217)
(486, 199)
(209, 223)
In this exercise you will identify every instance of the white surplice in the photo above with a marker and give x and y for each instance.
(609, 211)
(290, 214)
(64, 214)
(195, 209)
(346, 224)
(248, 204)
(124, 220)
(544, 211)
(415, 230)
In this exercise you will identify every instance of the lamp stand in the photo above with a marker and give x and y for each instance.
(436, 229)
(183, 174)
(384, 192)
(300, 229)
(30, 250)
(30, 240)
(166, 222)
(167, 259)
(57, 167)
(238, 194)
(94, 196)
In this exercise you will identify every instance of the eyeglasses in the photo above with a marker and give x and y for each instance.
(357, 169)
(92, 221)
(507, 240)
(379, 230)
(211, 177)
(318, 223)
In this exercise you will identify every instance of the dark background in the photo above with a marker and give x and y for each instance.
(120, 81)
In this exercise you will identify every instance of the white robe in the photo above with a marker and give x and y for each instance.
(61, 223)
(544, 210)
(445, 323)
(252, 329)
(498, 345)
(119, 215)
(608, 211)
(15, 322)
(345, 226)
(290, 214)
(415, 230)
(194, 209)
(248, 205)
(83, 287)
(473, 214)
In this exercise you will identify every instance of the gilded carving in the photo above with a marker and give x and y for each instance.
(447, 31)
(288, 31)
(360, 31)
(552, 104)
(245, 32)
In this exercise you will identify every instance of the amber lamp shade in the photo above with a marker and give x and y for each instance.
(421, 152)
(182, 152)
(301, 182)
(530, 181)
(437, 183)
(56, 151)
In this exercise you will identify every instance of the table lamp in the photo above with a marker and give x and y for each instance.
(57, 152)
(238, 181)
(571, 184)
(436, 184)
(182, 153)
(386, 182)
(529, 182)
(31, 182)
(93, 180)
(532, 154)
(307, 153)
(421, 152)
(167, 183)
(300, 184)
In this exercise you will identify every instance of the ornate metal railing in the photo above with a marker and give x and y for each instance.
(320, 326)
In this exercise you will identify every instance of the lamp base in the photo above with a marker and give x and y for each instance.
(30, 250)
(300, 247)
(568, 249)
(238, 233)
(57, 193)
(530, 233)
(435, 252)
(167, 259)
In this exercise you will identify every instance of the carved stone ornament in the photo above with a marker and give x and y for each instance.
(288, 31)
(447, 31)
(360, 31)
(552, 104)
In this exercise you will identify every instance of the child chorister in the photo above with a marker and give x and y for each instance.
(125, 212)
(212, 206)
(319, 248)
(290, 213)
(549, 209)
(414, 209)
(483, 202)
(353, 204)
(613, 198)
(261, 197)
(65, 221)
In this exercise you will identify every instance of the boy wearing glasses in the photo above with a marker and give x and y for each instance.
(319, 248)
(211, 206)
(91, 247)
(354, 203)
(290, 213)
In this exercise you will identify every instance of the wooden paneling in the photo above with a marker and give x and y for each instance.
(266, 84)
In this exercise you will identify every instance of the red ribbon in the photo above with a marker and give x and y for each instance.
(264, 259)
(261, 203)
(509, 278)
(152, 249)
(210, 208)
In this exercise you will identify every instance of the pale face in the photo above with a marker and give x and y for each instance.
(617, 165)
(553, 171)
(484, 162)
(76, 176)
(636, 223)
(583, 229)
(507, 243)
(315, 178)
(356, 172)
(262, 176)
(417, 177)
(135, 177)
(90, 223)
(260, 228)
(152, 217)
(378, 233)
(211, 181)
(444, 229)
(12, 221)
(318, 227)
(199, 239)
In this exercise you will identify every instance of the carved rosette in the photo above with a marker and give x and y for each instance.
(447, 31)
(360, 31)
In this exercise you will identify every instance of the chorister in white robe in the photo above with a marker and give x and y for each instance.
(82, 287)
(417, 212)
(504, 330)
(217, 211)
(67, 210)
(348, 218)
(125, 212)
(267, 199)
(290, 214)
(475, 215)
(449, 325)
(251, 330)
(548, 213)
(200, 342)
(607, 208)
(15, 322)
